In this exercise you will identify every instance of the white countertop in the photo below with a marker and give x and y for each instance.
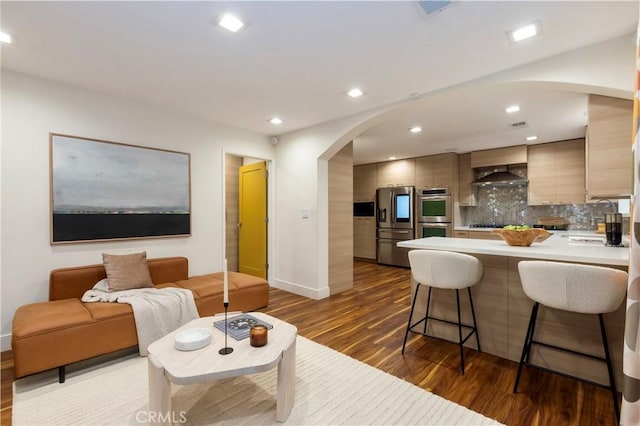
(559, 246)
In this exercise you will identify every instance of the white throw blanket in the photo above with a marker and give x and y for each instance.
(157, 312)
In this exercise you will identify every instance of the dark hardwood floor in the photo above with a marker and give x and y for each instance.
(368, 323)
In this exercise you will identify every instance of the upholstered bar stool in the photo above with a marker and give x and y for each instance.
(575, 288)
(445, 270)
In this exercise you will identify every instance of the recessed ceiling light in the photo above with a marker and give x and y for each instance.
(532, 138)
(524, 32)
(5, 38)
(355, 93)
(415, 129)
(392, 158)
(231, 23)
(275, 120)
(512, 109)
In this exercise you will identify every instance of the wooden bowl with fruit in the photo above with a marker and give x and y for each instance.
(523, 236)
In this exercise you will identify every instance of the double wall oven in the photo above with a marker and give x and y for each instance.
(434, 213)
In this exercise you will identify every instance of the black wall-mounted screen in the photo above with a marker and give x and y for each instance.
(363, 208)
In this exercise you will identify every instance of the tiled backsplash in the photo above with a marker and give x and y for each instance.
(508, 205)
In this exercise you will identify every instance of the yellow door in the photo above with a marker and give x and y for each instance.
(252, 231)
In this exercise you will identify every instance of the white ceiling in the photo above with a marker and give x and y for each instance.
(295, 60)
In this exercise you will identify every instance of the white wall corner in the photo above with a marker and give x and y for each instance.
(323, 224)
(5, 342)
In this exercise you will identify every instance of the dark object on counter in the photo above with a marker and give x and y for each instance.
(553, 223)
(562, 227)
(613, 229)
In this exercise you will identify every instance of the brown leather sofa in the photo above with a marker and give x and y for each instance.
(64, 330)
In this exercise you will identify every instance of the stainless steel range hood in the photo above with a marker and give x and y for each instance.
(500, 177)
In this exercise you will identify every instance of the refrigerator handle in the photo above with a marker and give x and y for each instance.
(392, 204)
(382, 215)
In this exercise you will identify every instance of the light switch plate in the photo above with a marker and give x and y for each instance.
(305, 213)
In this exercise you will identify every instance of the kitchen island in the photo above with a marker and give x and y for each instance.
(503, 310)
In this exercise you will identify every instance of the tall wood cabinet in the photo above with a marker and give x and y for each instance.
(466, 191)
(436, 171)
(609, 161)
(365, 183)
(556, 173)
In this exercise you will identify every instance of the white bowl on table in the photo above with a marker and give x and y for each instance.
(192, 339)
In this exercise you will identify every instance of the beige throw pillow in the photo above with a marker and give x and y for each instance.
(127, 271)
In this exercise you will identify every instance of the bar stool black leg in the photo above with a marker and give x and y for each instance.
(413, 305)
(526, 346)
(460, 332)
(533, 330)
(426, 315)
(473, 313)
(612, 383)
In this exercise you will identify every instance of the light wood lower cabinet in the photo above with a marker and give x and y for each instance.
(477, 235)
(364, 237)
(484, 235)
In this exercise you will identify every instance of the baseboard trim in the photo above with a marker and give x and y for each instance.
(5, 342)
(301, 290)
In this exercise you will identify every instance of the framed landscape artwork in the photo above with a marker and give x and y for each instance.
(104, 190)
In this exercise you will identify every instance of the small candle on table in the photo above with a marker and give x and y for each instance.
(258, 335)
(225, 296)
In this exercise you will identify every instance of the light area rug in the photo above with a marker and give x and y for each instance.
(331, 389)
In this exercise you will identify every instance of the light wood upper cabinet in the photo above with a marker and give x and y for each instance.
(466, 192)
(445, 168)
(397, 173)
(499, 156)
(556, 173)
(609, 163)
(436, 171)
(365, 182)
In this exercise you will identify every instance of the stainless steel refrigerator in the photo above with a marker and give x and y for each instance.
(395, 223)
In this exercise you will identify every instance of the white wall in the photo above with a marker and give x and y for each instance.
(31, 108)
(302, 180)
